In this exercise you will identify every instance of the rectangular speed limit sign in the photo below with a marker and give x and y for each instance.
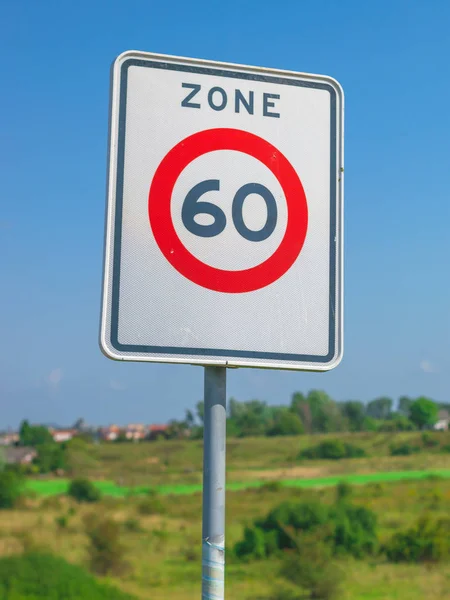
(224, 218)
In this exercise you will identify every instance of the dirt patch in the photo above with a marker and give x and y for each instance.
(287, 473)
(151, 460)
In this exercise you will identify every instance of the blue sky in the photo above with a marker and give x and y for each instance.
(392, 60)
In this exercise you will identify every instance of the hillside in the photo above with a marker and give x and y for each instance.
(180, 462)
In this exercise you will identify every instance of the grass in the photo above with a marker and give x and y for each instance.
(180, 462)
(53, 487)
(164, 550)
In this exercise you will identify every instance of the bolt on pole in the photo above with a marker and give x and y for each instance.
(214, 441)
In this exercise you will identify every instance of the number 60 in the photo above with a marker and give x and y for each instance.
(192, 206)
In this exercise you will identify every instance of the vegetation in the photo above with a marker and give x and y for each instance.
(168, 464)
(32, 435)
(34, 576)
(427, 541)
(403, 449)
(314, 412)
(106, 551)
(84, 490)
(162, 552)
(333, 449)
(429, 440)
(152, 504)
(346, 528)
(11, 487)
(310, 567)
(51, 456)
(285, 422)
(423, 412)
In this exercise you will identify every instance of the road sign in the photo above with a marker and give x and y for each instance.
(224, 219)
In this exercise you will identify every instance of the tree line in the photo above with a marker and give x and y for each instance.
(315, 412)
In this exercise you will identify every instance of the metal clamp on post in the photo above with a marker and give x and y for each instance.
(213, 570)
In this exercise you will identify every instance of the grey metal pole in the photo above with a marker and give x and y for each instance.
(214, 440)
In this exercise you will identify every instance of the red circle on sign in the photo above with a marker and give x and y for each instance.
(160, 196)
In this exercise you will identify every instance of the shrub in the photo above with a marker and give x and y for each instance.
(253, 545)
(446, 448)
(403, 449)
(376, 489)
(353, 451)
(343, 491)
(106, 552)
(397, 423)
(286, 423)
(347, 528)
(429, 440)
(300, 516)
(270, 486)
(191, 555)
(354, 530)
(310, 567)
(51, 457)
(334, 450)
(83, 490)
(34, 576)
(160, 537)
(281, 593)
(62, 521)
(10, 488)
(370, 424)
(427, 541)
(132, 525)
(152, 505)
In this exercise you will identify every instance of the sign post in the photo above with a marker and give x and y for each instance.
(213, 526)
(224, 233)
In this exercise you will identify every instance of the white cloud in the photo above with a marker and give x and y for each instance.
(116, 385)
(427, 367)
(55, 377)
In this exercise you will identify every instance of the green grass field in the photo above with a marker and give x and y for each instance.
(109, 488)
(164, 549)
(167, 463)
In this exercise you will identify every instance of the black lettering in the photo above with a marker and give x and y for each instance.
(240, 99)
(211, 93)
(238, 218)
(267, 104)
(195, 89)
(192, 207)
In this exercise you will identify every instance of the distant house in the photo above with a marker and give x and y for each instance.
(109, 434)
(443, 422)
(156, 432)
(135, 432)
(63, 435)
(19, 455)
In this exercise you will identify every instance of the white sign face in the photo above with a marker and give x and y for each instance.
(224, 220)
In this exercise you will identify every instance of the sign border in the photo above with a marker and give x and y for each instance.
(111, 290)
